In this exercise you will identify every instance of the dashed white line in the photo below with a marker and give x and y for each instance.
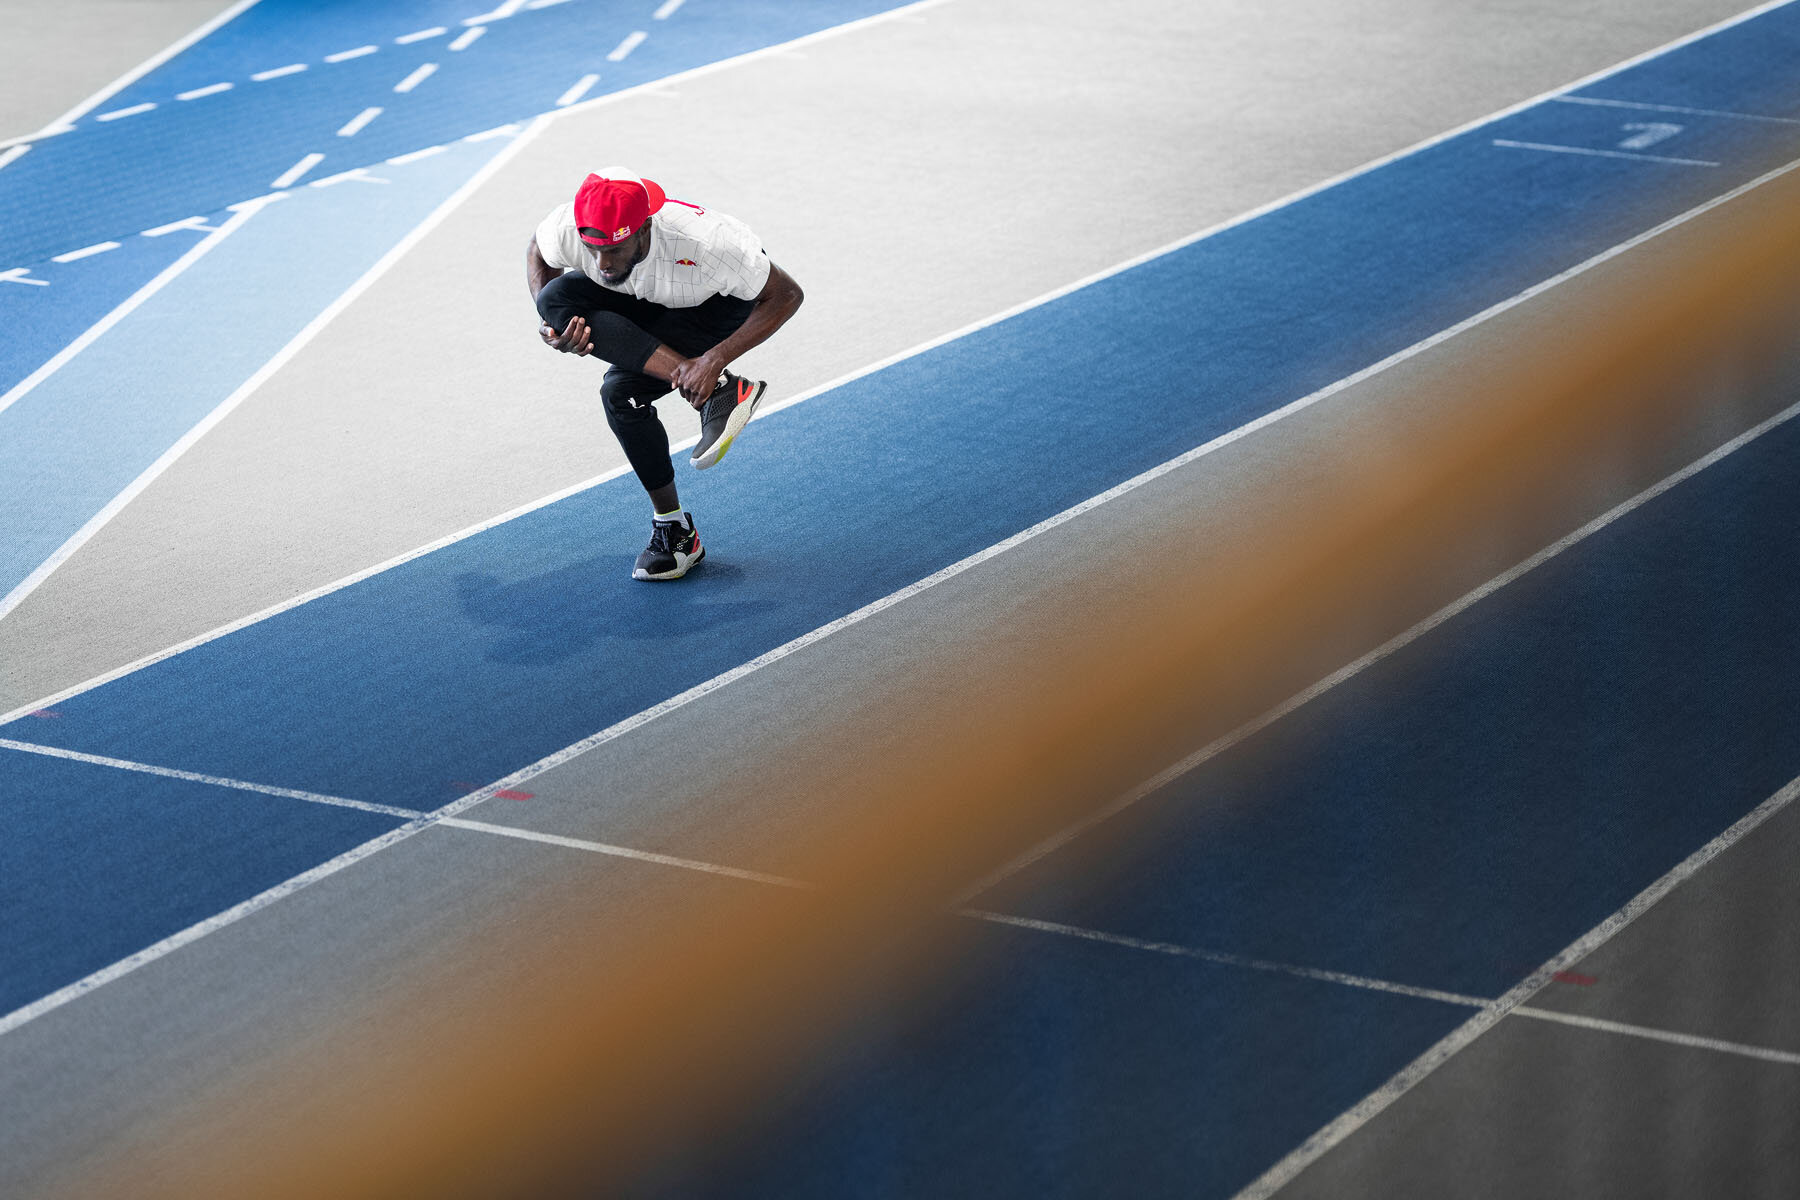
(13, 154)
(359, 174)
(1684, 162)
(499, 14)
(133, 111)
(347, 55)
(86, 252)
(419, 76)
(278, 72)
(416, 155)
(294, 172)
(578, 91)
(666, 11)
(496, 131)
(409, 38)
(355, 124)
(20, 275)
(197, 223)
(467, 38)
(631, 42)
(210, 90)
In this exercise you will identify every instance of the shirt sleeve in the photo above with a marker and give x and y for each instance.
(736, 264)
(550, 239)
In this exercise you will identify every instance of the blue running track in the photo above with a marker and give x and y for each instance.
(1488, 750)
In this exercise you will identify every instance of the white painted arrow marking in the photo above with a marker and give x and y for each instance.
(1649, 133)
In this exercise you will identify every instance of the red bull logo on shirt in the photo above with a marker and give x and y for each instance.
(686, 262)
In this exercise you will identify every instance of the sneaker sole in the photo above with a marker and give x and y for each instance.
(677, 573)
(734, 425)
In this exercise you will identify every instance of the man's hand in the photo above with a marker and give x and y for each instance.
(576, 339)
(697, 377)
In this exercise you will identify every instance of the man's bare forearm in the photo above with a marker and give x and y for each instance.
(780, 299)
(537, 271)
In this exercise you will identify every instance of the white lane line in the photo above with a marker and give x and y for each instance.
(355, 124)
(499, 14)
(632, 41)
(197, 223)
(666, 11)
(1784, 1057)
(13, 154)
(1675, 108)
(358, 174)
(496, 131)
(347, 55)
(278, 72)
(288, 177)
(416, 155)
(419, 76)
(467, 38)
(243, 210)
(1231, 960)
(1509, 144)
(122, 764)
(1212, 750)
(65, 123)
(22, 275)
(1364, 982)
(577, 90)
(117, 113)
(408, 39)
(665, 860)
(86, 252)
(1403, 1081)
(209, 90)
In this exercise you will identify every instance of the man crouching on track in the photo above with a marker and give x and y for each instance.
(669, 295)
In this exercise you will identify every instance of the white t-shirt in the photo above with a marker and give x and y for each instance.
(694, 255)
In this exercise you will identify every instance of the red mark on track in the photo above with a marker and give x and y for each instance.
(515, 795)
(1576, 978)
(48, 714)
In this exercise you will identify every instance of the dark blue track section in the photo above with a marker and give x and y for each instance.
(96, 863)
(1062, 1068)
(1465, 809)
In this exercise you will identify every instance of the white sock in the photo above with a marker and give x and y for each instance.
(678, 517)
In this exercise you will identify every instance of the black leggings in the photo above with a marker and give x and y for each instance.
(626, 331)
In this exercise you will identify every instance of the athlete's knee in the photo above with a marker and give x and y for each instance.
(561, 299)
(629, 395)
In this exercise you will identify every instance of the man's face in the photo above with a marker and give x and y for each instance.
(617, 261)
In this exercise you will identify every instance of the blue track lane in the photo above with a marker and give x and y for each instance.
(1449, 818)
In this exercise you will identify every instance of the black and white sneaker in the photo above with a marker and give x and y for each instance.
(724, 416)
(672, 550)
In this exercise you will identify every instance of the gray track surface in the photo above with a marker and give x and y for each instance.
(397, 426)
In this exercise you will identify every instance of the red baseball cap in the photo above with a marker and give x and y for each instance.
(607, 211)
